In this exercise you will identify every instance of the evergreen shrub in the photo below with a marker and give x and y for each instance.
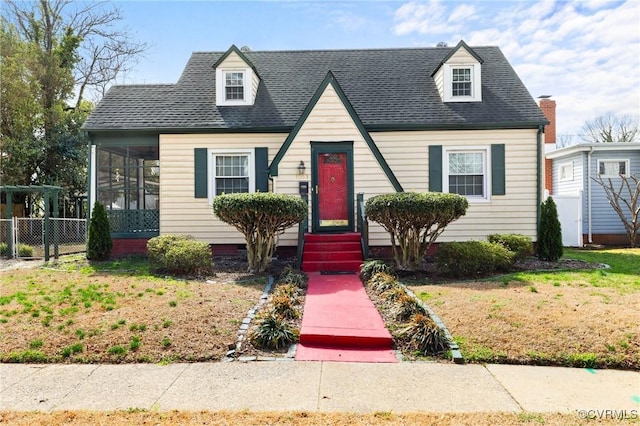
(470, 259)
(99, 244)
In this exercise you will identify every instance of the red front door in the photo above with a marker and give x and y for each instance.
(332, 185)
(332, 189)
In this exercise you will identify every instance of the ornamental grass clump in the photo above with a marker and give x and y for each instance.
(293, 276)
(414, 221)
(407, 306)
(424, 335)
(273, 332)
(382, 282)
(260, 217)
(371, 267)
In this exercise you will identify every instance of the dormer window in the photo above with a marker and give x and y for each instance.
(461, 81)
(234, 86)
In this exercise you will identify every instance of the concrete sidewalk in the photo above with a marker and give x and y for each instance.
(316, 386)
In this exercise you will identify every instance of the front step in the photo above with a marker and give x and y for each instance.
(332, 252)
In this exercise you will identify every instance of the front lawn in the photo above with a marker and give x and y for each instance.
(586, 318)
(76, 311)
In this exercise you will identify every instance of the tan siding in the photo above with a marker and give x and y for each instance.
(438, 78)
(255, 81)
(461, 57)
(233, 61)
(407, 155)
(180, 212)
(329, 122)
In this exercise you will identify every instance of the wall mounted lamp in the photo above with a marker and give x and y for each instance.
(301, 168)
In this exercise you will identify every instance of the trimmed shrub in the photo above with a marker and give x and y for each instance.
(99, 244)
(519, 244)
(470, 259)
(25, 250)
(260, 217)
(549, 246)
(424, 335)
(273, 332)
(371, 267)
(414, 221)
(179, 254)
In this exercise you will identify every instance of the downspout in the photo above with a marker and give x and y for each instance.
(539, 177)
(590, 236)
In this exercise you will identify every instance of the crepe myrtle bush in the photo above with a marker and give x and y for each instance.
(260, 217)
(414, 221)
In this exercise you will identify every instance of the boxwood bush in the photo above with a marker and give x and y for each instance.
(179, 254)
(519, 244)
(260, 217)
(470, 259)
(414, 221)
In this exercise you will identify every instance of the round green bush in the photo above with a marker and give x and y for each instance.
(519, 244)
(179, 254)
(470, 259)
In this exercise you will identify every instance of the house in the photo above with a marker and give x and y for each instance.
(583, 209)
(328, 123)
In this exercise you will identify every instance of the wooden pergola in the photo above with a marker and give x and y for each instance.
(49, 192)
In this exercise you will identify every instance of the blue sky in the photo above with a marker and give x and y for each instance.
(585, 53)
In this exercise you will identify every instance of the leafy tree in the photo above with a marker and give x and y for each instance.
(549, 245)
(99, 244)
(612, 128)
(50, 48)
(414, 221)
(625, 200)
(260, 217)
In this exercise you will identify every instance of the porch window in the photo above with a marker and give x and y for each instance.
(128, 185)
(467, 173)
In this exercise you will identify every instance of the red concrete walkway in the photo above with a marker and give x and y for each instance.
(340, 323)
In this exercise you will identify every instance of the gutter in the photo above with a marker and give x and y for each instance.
(590, 236)
(539, 177)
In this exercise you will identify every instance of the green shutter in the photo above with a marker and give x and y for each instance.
(200, 167)
(498, 186)
(262, 170)
(435, 168)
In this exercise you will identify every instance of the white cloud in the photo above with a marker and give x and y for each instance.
(586, 54)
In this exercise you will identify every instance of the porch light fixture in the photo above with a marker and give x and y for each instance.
(301, 168)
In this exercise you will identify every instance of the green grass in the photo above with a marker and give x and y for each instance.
(623, 273)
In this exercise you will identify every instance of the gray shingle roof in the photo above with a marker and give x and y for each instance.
(388, 88)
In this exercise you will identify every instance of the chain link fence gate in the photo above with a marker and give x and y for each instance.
(65, 236)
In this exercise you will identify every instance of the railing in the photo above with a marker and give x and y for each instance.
(133, 221)
(303, 227)
(363, 226)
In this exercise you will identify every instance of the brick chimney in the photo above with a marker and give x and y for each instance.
(548, 107)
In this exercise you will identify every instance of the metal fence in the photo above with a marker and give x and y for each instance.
(35, 238)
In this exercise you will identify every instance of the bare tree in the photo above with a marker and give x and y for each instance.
(626, 205)
(612, 128)
(105, 51)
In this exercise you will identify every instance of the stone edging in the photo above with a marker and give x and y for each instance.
(244, 327)
(456, 355)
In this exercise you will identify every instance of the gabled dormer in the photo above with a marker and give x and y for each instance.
(236, 79)
(459, 75)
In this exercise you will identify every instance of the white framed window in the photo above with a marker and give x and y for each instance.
(612, 168)
(466, 172)
(566, 171)
(231, 171)
(233, 86)
(462, 83)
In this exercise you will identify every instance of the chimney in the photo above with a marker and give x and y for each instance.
(548, 107)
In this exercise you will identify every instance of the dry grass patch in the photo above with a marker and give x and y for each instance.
(84, 314)
(292, 418)
(580, 318)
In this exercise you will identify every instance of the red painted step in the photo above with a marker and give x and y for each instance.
(332, 252)
(340, 323)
